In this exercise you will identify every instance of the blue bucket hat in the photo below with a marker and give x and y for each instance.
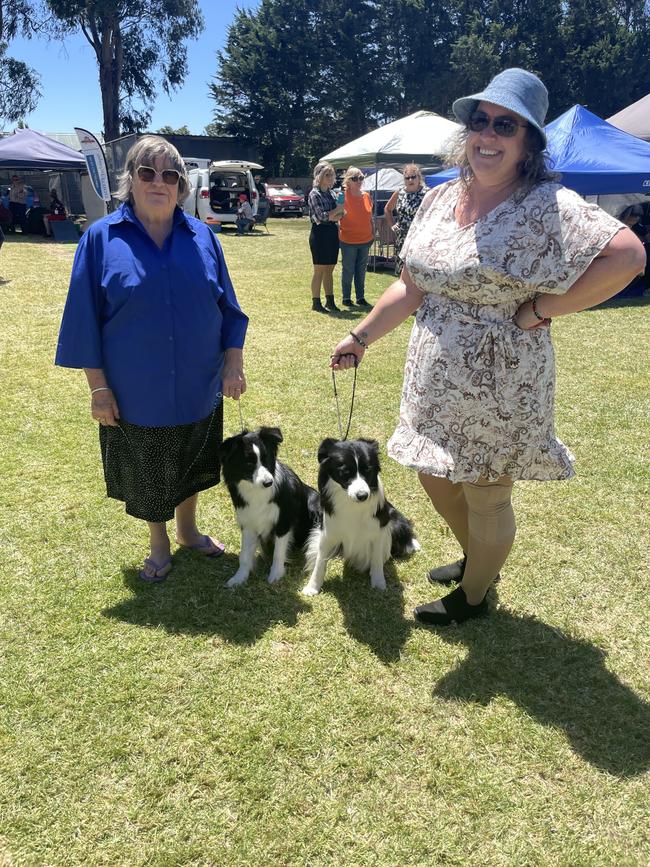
(515, 89)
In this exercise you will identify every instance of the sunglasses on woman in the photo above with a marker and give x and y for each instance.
(147, 175)
(355, 178)
(410, 177)
(504, 126)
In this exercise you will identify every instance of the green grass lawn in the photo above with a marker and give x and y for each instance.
(186, 724)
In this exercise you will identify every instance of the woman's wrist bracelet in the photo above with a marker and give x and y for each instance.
(358, 340)
(537, 313)
(101, 388)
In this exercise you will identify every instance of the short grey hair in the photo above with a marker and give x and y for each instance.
(143, 153)
(533, 169)
(322, 169)
(416, 168)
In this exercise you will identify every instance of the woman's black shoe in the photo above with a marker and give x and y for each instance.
(317, 306)
(348, 302)
(452, 572)
(449, 573)
(330, 304)
(457, 609)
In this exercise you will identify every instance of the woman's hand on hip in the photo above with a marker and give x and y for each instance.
(525, 318)
(104, 408)
(348, 353)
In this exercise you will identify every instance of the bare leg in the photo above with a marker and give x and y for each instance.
(317, 280)
(187, 533)
(159, 549)
(328, 279)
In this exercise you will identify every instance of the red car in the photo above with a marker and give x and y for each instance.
(283, 200)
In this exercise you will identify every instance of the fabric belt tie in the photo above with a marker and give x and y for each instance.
(496, 346)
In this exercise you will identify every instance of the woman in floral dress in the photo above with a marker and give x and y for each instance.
(490, 259)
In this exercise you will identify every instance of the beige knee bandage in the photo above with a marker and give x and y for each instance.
(491, 520)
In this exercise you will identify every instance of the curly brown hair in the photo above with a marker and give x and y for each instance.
(533, 169)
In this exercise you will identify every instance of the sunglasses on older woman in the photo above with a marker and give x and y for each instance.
(147, 175)
(355, 178)
(410, 177)
(504, 126)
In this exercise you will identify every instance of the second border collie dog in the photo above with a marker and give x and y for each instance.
(272, 504)
(358, 523)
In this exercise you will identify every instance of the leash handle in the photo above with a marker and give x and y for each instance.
(241, 417)
(343, 436)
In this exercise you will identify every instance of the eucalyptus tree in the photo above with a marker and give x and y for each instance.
(139, 46)
(19, 83)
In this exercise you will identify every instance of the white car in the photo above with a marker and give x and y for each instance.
(214, 192)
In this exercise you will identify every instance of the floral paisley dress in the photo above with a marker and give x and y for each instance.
(478, 393)
(406, 207)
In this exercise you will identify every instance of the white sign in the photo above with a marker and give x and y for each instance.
(96, 162)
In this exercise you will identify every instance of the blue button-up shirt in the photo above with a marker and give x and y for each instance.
(157, 321)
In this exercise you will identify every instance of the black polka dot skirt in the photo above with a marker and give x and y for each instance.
(153, 469)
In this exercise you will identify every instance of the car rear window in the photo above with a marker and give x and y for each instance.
(228, 180)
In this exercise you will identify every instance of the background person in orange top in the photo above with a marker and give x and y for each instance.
(355, 236)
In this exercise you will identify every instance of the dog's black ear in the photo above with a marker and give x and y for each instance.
(373, 445)
(271, 435)
(325, 448)
(228, 446)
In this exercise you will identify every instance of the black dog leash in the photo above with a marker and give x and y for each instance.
(336, 398)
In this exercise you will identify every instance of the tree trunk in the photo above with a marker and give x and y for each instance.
(107, 44)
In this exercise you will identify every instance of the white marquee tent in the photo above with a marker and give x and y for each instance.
(634, 119)
(383, 179)
(421, 138)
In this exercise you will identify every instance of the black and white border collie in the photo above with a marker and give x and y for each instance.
(358, 522)
(272, 504)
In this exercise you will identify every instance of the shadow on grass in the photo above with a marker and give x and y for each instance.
(558, 680)
(349, 313)
(257, 234)
(372, 617)
(194, 600)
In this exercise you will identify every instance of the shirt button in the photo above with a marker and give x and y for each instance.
(173, 372)
(170, 337)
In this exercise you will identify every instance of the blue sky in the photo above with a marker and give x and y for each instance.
(70, 84)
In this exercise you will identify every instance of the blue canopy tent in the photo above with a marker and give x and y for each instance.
(27, 149)
(593, 157)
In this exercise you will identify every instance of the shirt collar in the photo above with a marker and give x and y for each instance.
(126, 214)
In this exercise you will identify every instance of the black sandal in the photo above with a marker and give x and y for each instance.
(452, 572)
(440, 575)
(457, 609)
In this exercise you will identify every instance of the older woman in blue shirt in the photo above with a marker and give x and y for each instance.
(152, 318)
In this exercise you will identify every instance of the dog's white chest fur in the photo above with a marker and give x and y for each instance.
(352, 525)
(351, 529)
(259, 514)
